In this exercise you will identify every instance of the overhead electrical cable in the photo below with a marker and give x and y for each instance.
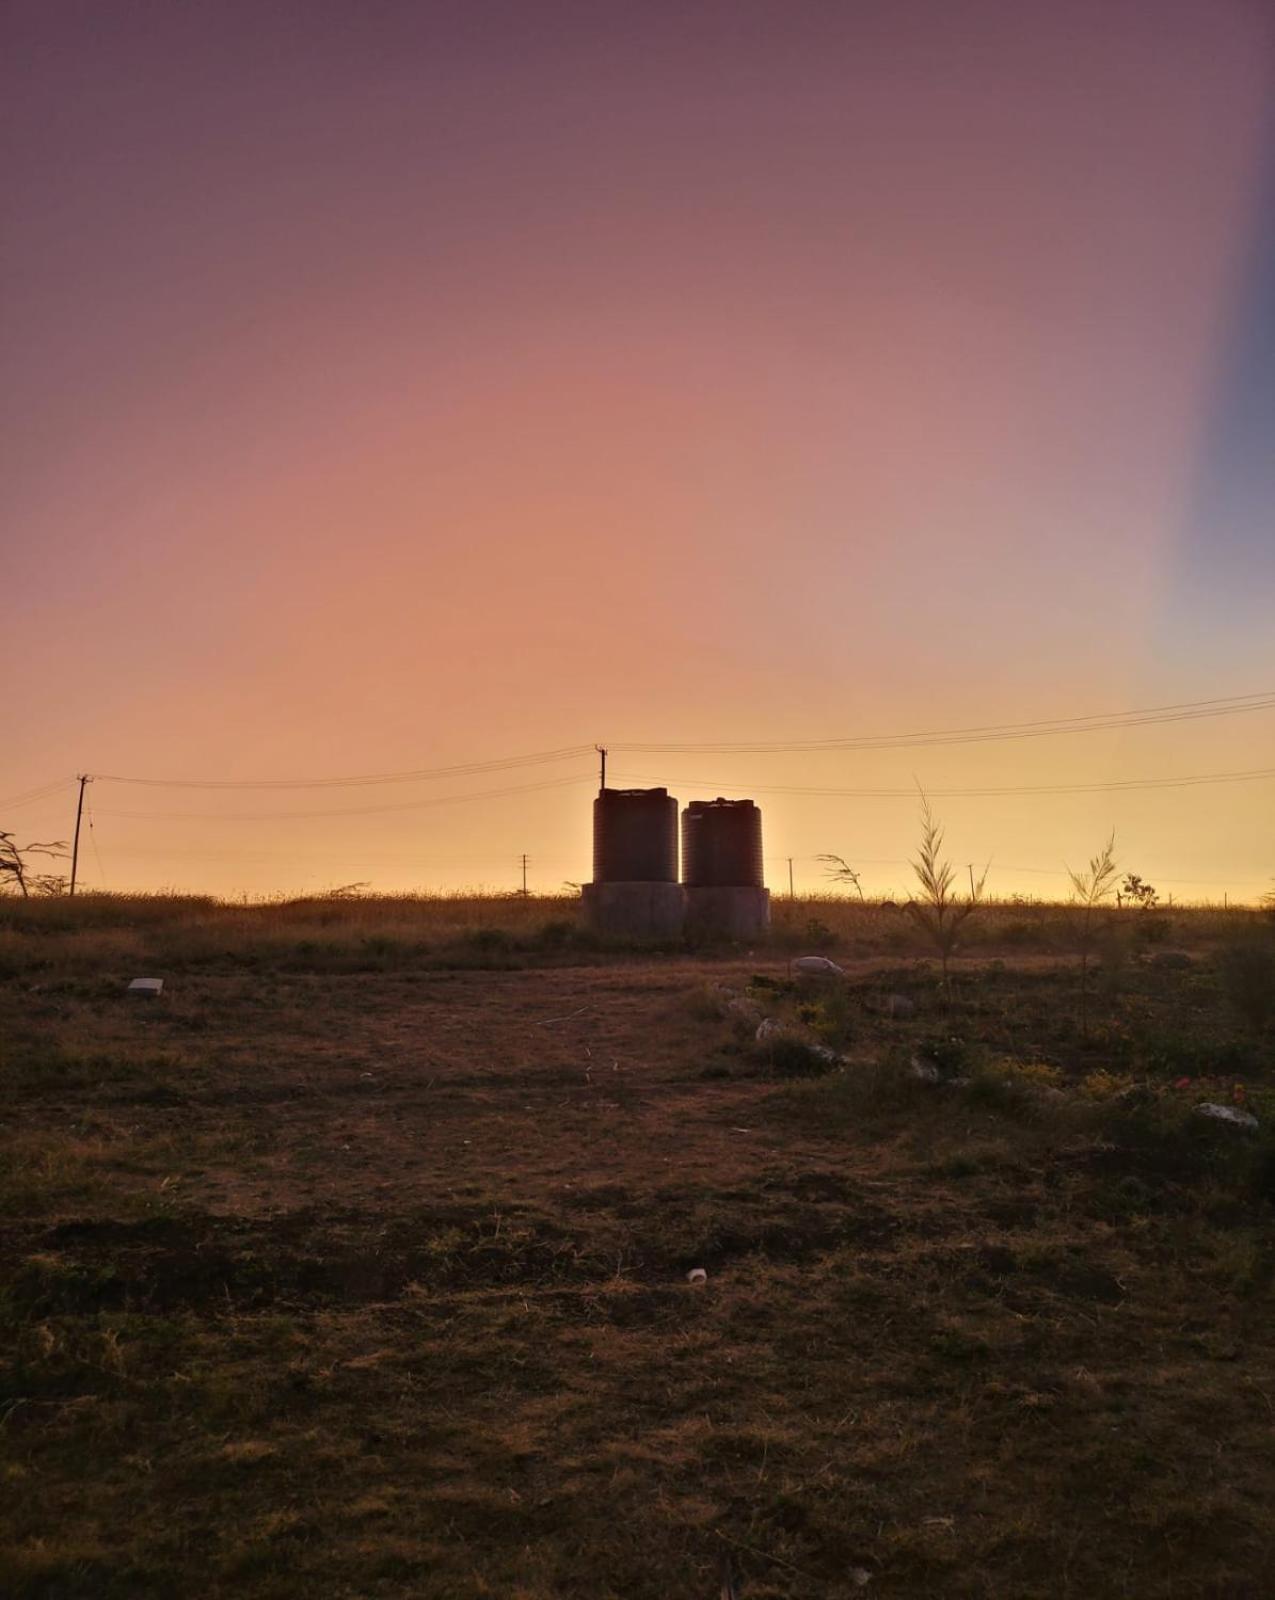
(419, 775)
(1183, 711)
(1114, 786)
(33, 795)
(350, 811)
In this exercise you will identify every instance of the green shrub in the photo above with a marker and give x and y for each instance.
(1247, 970)
(788, 1057)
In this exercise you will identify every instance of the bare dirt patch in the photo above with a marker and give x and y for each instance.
(374, 1283)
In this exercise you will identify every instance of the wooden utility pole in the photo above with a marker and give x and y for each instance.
(971, 867)
(603, 754)
(524, 873)
(791, 894)
(79, 812)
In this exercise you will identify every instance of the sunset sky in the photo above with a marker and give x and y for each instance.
(401, 386)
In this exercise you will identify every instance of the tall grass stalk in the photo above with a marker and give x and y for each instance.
(1089, 890)
(938, 911)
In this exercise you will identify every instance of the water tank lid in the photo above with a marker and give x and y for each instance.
(703, 805)
(660, 792)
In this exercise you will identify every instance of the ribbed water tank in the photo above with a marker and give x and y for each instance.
(634, 836)
(721, 845)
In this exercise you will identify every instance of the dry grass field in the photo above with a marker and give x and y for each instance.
(356, 1264)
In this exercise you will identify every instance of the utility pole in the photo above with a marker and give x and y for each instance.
(971, 867)
(791, 895)
(524, 873)
(603, 754)
(79, 812)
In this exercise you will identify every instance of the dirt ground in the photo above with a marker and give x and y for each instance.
(375, 1284)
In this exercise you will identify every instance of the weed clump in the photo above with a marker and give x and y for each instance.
(1247, 970)
(790, 1057)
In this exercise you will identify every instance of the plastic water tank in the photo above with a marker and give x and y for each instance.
(721, 845)
(634, 836)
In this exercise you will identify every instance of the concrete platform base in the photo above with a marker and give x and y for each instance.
(635, 910)
(733, 913)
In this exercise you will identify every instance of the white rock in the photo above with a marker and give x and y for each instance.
(769, 1028)
(817, 967)
(925, 1071)
(697, 1275)
(1241, 1119)
(148, 986)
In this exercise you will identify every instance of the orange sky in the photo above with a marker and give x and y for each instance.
(455, 382)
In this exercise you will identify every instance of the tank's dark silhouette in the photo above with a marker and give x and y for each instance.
(634, 836)
(721, 845)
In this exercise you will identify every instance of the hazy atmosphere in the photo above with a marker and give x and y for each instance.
(637, 869)
(429, 385)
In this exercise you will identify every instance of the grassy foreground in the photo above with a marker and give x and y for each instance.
(356, 1265)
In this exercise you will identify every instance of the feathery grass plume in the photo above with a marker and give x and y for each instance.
(1089, 890)
(840, 871)
(939, 912)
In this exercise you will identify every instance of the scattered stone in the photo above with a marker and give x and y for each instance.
(697, 1275)
(817, 967)
(825, 1052)
(769, 1028)
(925, 1071)
(1231, 1114)
(860, 1577)
(146, 986)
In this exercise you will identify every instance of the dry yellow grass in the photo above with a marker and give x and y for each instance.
(360, 1270)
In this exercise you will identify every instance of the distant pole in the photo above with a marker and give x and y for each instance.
(79, 812)
(603, 754)
(791, 894)
(524, 873)
(971, 866)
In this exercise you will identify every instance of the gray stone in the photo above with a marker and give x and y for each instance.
(1231, 1114)
(817, 967)
(153, 987)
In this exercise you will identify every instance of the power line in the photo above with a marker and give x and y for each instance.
(419, 775)
(97, 854)
(1182, 711)
(1117, 785)
(349, 811)
(32, 795)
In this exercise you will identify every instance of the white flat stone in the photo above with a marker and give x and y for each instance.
(1232, 1114)
(153, 986)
